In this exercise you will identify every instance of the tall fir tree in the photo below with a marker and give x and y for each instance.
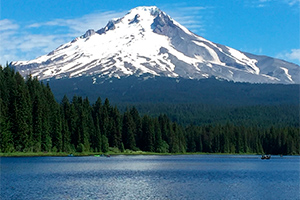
(66, 124)
(128, 128)
(97, 137)
(148, 134)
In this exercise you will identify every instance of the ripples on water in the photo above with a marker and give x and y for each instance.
(151, 177)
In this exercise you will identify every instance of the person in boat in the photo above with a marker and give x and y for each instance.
(265, 156)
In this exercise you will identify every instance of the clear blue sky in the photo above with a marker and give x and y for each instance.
(31, 28)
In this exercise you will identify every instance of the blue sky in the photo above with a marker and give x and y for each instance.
(31, 28)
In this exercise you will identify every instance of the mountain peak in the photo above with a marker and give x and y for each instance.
(148, 41)
(153, 10)
(138, 16)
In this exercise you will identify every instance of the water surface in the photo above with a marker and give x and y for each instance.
(151, 177)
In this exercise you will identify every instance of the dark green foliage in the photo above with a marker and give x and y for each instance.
(96, 139)
(115, 132)
(204, 114)
(20, 113)
(80, 148)
(66, 124)
(37, 125)
(32, 120)
(159, 89)
(137, 127)
(148, 136)
(6, 140)
(104, 144)
(128, 130)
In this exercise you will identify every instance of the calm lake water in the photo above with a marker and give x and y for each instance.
(151, 177)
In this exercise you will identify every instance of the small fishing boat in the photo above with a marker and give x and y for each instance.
(265, 157)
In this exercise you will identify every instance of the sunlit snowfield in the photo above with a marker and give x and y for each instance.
(151, 177)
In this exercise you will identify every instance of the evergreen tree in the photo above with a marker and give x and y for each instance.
(147, 134)
(74, 122)
(46, 120)
(54, 117)
(20, 113)
(104, 118)
(6, 140)
(66, 124)
(97, 137)
(104, 144)
(56, 130)
(137, 127)
(115, 136)
(191, 140)
(128, 127)
(159, 144)
(37, 125)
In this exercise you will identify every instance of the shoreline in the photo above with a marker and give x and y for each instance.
(110, 153)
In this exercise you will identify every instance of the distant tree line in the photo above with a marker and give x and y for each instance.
(31, 120)
(280, 115)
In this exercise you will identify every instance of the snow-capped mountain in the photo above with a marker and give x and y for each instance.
(147, 40)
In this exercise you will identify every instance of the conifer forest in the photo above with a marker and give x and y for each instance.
(31, 120)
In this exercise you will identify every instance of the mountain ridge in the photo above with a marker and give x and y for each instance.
(147, 40)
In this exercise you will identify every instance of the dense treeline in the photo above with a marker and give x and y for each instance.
(203, 114)
(32, 121)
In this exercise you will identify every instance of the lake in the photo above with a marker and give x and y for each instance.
(151, 177)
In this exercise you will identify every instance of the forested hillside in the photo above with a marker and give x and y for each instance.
(185, 101)
(156, 89)
(31, 120)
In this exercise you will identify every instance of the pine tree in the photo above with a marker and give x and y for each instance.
(20, 113)
(137, 127)
(147, 134)
(54, 117)
(65, 121)
(46, 120)
(89, 128)
(164, 123)
(128, 127)
(37, 125)
(191, 141)
(104, 118)
(75, 122)
(104, 144)
(4, 94)
(160, 145)
(174, 140)
(56, 130)
(97, 137)
(115, 137)
(6, 140)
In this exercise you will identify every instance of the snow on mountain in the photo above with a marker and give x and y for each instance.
(147, 40)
